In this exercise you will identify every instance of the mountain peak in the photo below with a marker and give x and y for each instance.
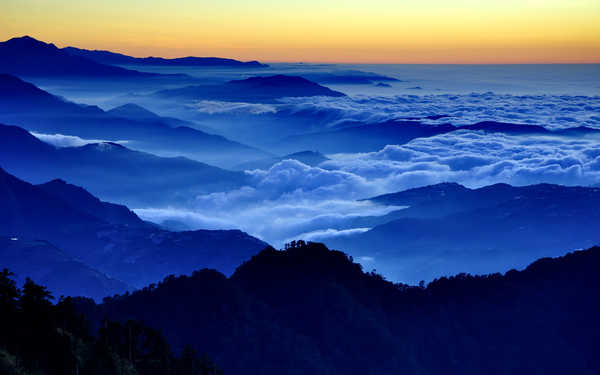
(132, 111)
(275, 80)
(57, 182)
(27, 56)
(27, 41)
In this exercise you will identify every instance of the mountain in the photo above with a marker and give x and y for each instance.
(360, 137)
(356, 136)
(110, 238)
(311, 158)
(448, 228)
(133, 112)
(86, 202)
(136, 112)
(36, 110)
(61, 273)
(112, 58)
(310, 310)
(264, 89)
(113, 171)
(26, 56)
(348, 77)
(30, 212)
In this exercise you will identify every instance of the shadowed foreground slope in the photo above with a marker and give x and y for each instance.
(41, 338)
(309, 310)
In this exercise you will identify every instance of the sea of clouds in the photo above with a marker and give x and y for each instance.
(293, 200)
(550, 111)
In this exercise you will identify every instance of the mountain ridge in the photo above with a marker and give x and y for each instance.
(448, 227)
(322, 299)
(114, 58)
(37, 110)
(27, 56)
(257, 89)
(98, 166)
(137, 253)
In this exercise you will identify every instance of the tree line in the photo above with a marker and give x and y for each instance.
(38, 336)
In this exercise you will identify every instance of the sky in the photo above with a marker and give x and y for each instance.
(351, 31)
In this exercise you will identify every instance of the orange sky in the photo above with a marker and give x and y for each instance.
(375, 31)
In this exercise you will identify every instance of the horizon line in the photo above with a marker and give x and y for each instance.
(332, 62)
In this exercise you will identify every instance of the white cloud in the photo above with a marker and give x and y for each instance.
(61, 140)
(322, 234)
(215, 107)
(476, 159)
(551, 111)
(292, 200)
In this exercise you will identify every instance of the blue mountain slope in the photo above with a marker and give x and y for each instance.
(37, 110)
(60, 272)
(137, 254)
(264, 89)
(450, 229)
(113, 171)
(354, 136)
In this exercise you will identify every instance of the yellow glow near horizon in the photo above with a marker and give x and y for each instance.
(377, 31)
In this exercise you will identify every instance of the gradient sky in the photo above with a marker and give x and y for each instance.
(376, 31)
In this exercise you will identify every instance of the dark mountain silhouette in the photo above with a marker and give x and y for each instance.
(450, 229)
(109, 239)
(312, 158)
(34, 109)
(113, 171)
(347, 77)
(61, 273)
(26, 56)
(355, 136)
(311, 310)
(112, 58)
(265, 89)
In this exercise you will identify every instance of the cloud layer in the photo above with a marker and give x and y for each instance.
(61, 140)
(216, 107)
(293, 200)
(551, 111)
(477, 159)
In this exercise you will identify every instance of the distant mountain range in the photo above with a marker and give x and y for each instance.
(263, 89)
(132, 111)
(61, 273)
(24, 104)
(105, 237)
(28, 57)
(310, 310)
(354, 136)
(113, 171)
(112, 58)
(448, 228)
(347, 77)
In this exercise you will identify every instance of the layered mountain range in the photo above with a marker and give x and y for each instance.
(450, 228)
(79, 234)
(36, 110)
